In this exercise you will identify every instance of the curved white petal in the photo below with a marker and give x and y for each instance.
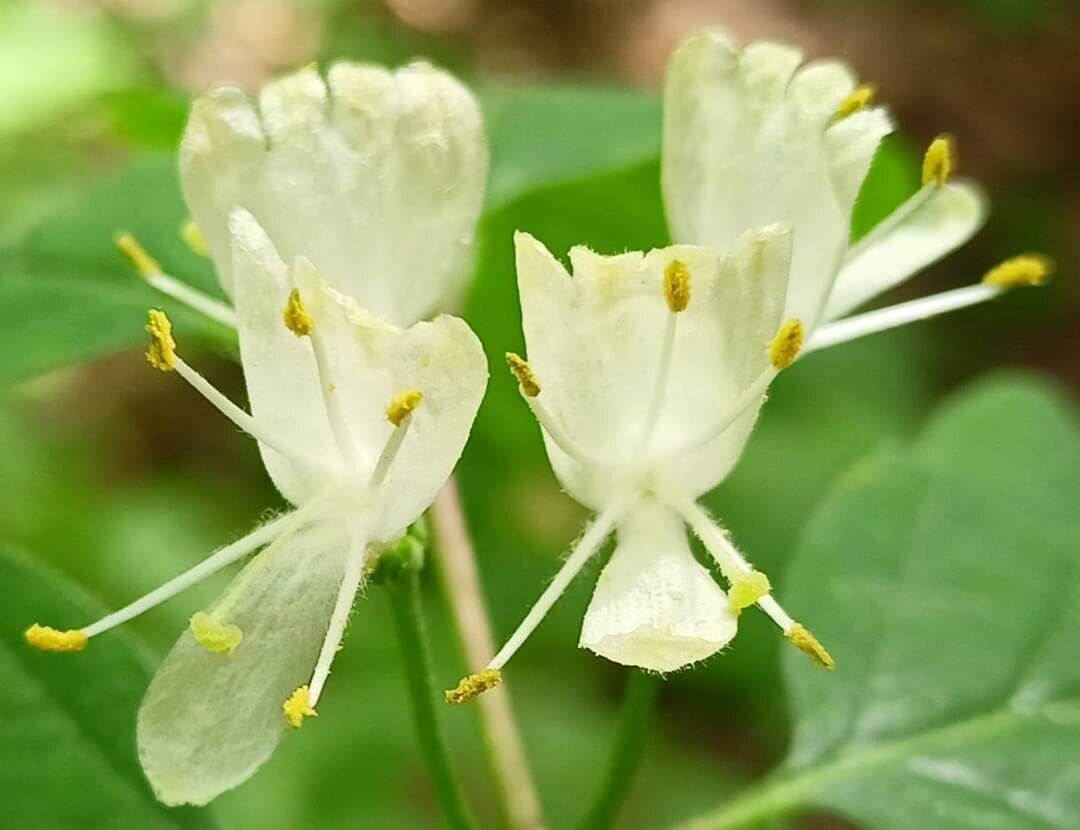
(209, 720)
(595, 342)
(369, 362)
(749, 139)
(376, 176)
(930, 225)
(655, 606)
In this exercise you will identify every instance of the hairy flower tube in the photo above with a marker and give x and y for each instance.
(337, 215)
(646, 371)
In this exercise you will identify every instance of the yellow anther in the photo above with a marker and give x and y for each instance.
(860, 98)
(162, 351)
(522, 371)
(939, 161)
(402, 406)
(129, 246)
(1027, 269)
(50, 639)
(785, 347)
(297, 707)
(218, 637)
(806, 642)
(677, 286)
(296, 318)
(473, 685)
(748, 588)
(194, 238)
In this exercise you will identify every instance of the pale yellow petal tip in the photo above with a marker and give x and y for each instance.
(1027, 269)
(523, 373)
(297, 707)
(296, 318)
(129, 246)
(162, 351)
(806, 642)
(860, 98)
(939, 161)
(677, 286)
(194, 239)
(51, 639)
(473, 685)
(748, 588)
(787, 344)
(218, 637)
(403, 405)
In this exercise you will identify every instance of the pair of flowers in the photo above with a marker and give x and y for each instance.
(340, 212)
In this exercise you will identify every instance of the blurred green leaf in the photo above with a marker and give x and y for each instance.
(543, 136)
(67, 746)
(944, 579)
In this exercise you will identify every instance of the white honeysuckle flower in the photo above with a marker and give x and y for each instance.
(359, 423)
(752, 136)
(646, 373)
(375, 176)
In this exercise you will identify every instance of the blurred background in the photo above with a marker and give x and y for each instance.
(120, 478)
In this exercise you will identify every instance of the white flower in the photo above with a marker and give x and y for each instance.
(377, 177)
(647, 371)
(359, 420)
(752, 137)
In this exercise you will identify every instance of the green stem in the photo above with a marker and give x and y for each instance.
(635, 718)
(404, 595)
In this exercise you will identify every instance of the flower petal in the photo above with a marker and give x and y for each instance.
(209, 720)
(747, 143)
(932, 224)
(655, 606)
(595, 343)
(377, 177)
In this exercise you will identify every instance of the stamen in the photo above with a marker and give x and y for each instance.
(297, 707)
(162, 351)
(523, 372)
(50, 639)
(129, 246)
(403, 405)
(806, 642)
(207, 568)
(747, 589)
(218, 637)
(677, 286)
(589, 544)
(194, 239)
(339, 620)
(473, 685)
(860, 98)
(150, 270)
(296, 318)
(939, 161)
(1027, 269)
(787, 343)
(732, 563)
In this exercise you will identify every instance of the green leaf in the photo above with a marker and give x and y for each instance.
(944, 579)
(67, 742)
(544, 136)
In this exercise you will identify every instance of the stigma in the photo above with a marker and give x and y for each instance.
(51, 639)
(161, 353)
(214, 636)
